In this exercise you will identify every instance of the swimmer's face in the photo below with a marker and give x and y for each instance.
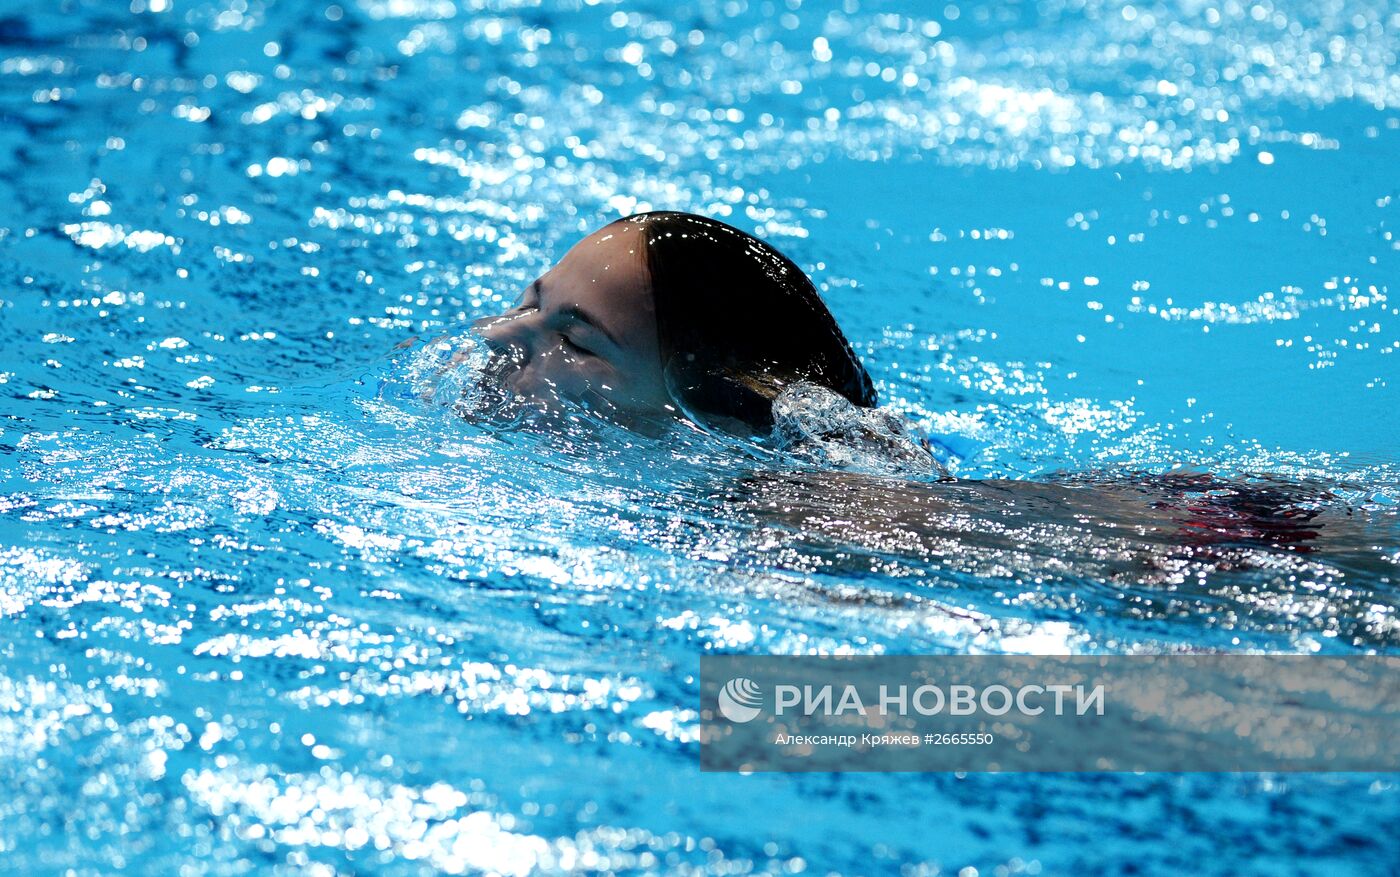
(585, 331)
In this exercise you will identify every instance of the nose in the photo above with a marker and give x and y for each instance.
(504, 334)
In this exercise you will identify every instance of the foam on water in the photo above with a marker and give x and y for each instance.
(813, 424)
(461, 373)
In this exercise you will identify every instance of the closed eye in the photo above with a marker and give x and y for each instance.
(572, 345)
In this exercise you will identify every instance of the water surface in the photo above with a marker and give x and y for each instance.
(266, 610)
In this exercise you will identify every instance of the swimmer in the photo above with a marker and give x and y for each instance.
(672, 315)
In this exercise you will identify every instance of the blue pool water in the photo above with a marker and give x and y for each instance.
(265, 610)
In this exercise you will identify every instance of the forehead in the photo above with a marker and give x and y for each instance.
(605, 273)
(610, 261)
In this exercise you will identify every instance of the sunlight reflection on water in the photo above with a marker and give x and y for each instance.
(268, 608)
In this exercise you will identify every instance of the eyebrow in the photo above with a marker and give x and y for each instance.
(576, 314)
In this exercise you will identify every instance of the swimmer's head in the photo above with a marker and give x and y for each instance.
(669, 310)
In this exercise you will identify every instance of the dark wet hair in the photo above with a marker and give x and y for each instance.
(738, 322)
